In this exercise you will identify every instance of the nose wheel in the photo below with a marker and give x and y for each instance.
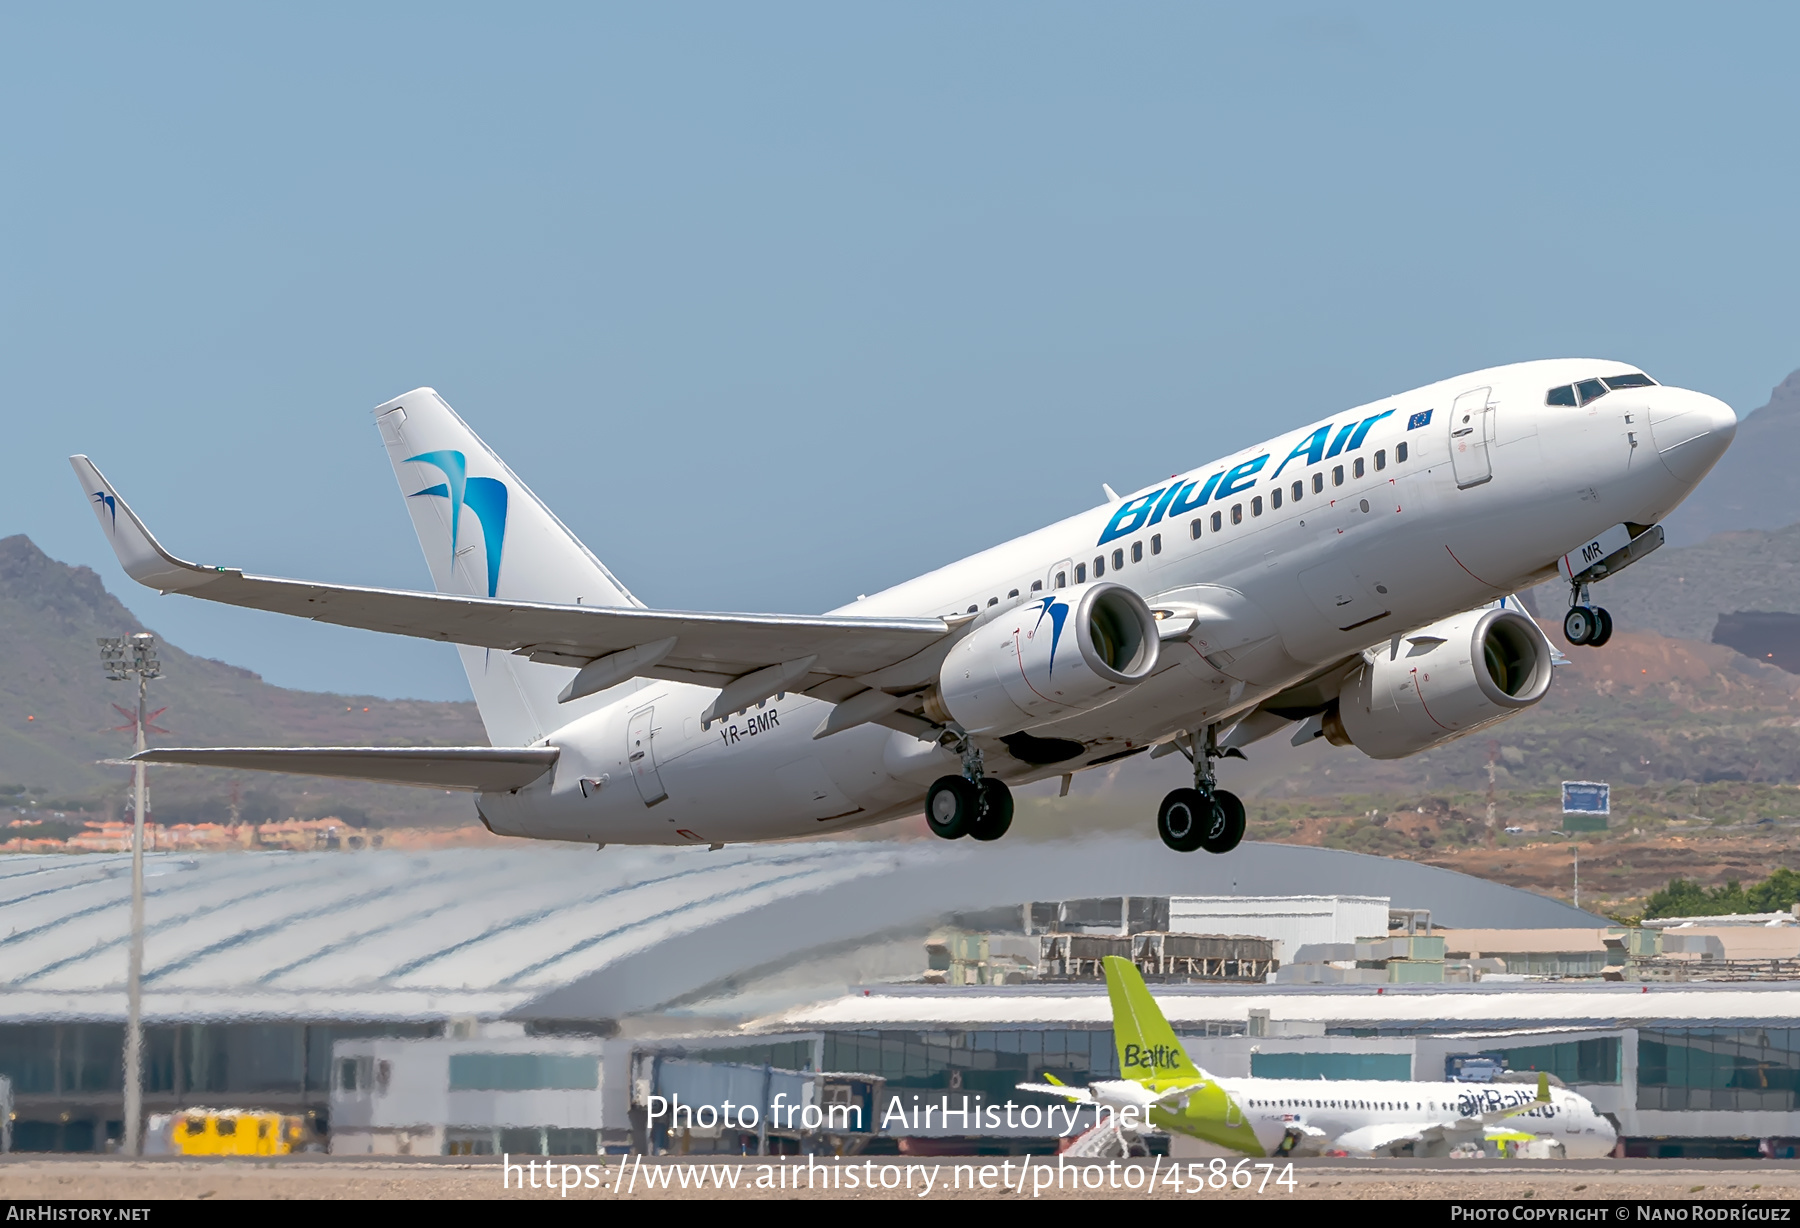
(1205, 816)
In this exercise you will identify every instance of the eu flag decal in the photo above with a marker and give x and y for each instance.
(1422, 418)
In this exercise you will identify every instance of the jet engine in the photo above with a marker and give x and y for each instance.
(1441, 682)
(1065, 651)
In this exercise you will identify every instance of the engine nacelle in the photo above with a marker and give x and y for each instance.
(1448, 679)
(1066, 651)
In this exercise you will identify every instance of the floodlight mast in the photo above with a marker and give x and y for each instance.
(124, 659)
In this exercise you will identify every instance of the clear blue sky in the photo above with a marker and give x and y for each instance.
(777, 304)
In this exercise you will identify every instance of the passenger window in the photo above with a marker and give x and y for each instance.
(1118, 559)
(1137, 552)
(1637, 379)
(1256, 506)
(1299, 489)
(1156, 543)
(1099, 567)
(1218, 519)
(194, 1125)
(1560, 396)
(1399, 454)
(1237, 513)
(1590, 390)
(1318, 483)
(993, 601)
(1337, 475)
(1013, 593)
(1062, 579)
(1275, 498)
(227, 1125)
(1194, 530)
(1037, 586)
(1380, 460)
(973, 608)
(1081, 573)
(1356, 467)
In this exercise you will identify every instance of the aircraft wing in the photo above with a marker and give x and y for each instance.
(1372, 1140)
(479, 768)
(1080, 1095)
(803, 651)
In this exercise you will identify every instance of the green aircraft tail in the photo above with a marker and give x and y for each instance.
(1147, 1045)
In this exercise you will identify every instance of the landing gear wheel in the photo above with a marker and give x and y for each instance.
(1181, 819)
(1227, 826)
(1580, 625)
(951, 806)
(1603, 628)
(996, 813)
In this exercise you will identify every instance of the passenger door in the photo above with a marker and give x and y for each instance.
(640, 753)
(1471, 432)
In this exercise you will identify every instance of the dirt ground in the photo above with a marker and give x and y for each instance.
(75, 1179)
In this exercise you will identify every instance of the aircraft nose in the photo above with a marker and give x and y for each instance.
(1691, 430)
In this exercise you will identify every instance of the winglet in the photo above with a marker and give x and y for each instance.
(140, 554)
(1543, 1088)
(1050, 1078)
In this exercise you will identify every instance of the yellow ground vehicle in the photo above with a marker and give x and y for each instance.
(227, 1132)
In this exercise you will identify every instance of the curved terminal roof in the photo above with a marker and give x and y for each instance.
(554, 932)
(1483, 1007)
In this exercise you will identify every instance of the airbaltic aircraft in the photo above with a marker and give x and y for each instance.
(1350, 578)
(1164, 1090)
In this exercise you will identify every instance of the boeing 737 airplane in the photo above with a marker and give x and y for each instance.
(1349, 580)
(1163, 1090)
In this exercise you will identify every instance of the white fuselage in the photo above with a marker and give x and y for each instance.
(1352, 1115)
(1372, 545)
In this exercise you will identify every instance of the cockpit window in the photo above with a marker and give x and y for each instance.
(1637, 379)
(1590, 390)
(1561, 396)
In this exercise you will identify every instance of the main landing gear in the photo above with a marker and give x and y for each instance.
(971, 804)
(1586, 623)
(1205, 816)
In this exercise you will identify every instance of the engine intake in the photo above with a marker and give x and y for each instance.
(1448, 679)
(1067, 651)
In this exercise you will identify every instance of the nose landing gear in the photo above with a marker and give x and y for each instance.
(971, 804)
(1586, 623)
(1205, 816)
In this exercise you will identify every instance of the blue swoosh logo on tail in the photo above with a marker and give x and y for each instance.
(486, 497)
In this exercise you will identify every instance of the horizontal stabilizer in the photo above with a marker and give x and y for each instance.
(486, 769)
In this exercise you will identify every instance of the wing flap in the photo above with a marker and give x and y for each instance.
(706, 644)
(484, 769)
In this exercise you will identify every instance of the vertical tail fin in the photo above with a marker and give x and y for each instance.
(486, 534)
(1147, 1045)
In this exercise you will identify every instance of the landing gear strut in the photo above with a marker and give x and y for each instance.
(1205, 816)
(971, 804)
(1586, 623)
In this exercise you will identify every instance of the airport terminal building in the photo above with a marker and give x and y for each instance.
(532, 999)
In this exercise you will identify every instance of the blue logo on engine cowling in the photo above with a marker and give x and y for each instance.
(1182, 496)
(486, 497)
(1057, 610)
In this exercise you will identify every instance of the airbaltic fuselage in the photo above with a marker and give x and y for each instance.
(1378, 1118)
(1297, 553)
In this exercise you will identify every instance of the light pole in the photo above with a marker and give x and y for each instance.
(123, 660)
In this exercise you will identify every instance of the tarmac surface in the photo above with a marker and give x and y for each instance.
(1620, 1182)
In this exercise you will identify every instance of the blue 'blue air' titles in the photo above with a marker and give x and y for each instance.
(1147, 510)
(1058, 610)
(486, 497)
